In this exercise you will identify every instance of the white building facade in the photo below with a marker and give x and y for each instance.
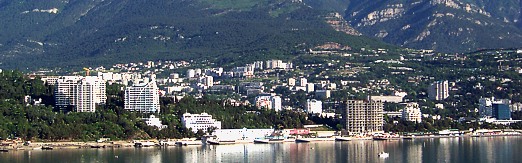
(412, 112)
(142, 97)
(201, 121)
(269, 102)
(314, 106)
(155, 122)
(438, 90)
(243, 135)
(80, 93)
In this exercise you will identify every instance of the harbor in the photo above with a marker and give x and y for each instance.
(252, 136)
(456, 149)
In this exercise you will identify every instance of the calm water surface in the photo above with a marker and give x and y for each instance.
(461, 150)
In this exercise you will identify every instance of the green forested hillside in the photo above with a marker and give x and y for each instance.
(83, 33)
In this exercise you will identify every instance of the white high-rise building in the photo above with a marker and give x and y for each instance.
(412, 112)
(142, 97)
(201, 121)
(438, 90)
(276, 103)
(314, 106)
(80, 93)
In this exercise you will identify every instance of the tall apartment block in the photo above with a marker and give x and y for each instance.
(412, 112)
(82, 94)
(142, 97)
(438, 90)
(363, 117)
(494, 108)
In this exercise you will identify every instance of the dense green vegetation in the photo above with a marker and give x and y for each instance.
(111, 120)
(92, 33)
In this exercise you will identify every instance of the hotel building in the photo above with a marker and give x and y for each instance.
(142, 97)
(201, 121)
(82, 94)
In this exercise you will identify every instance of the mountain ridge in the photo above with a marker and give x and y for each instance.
(442, 25)
(83, 33)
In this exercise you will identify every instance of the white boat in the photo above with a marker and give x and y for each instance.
(271, 139)
(343, 138)
(167, 143)
(315, 139)
(189, 141)
(221, 142)
(384, 155)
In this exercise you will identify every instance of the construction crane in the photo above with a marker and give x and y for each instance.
(87, 71)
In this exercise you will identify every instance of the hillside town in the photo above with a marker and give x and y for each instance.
(363, 94)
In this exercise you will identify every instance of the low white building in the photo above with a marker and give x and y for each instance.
(314, 106)
(390, 99)
(201, 121)
(153, 121)
(246, 135)
(412, 112)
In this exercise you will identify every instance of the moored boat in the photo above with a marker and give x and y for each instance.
(265, 141)
(343, 138)
(305, 140)
(387, 137)
(144, 144)
(189, 141)
(221, 142)
(97, 146)
(270, 139)
(47, 148)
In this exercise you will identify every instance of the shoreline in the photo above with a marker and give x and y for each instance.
(130, 144)
(66, 145)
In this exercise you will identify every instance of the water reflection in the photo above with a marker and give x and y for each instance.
(500, 149)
